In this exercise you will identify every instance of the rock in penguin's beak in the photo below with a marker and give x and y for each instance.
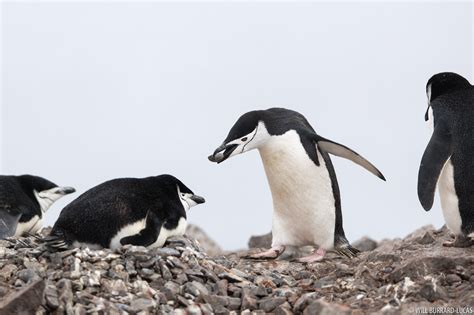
(222, 153)
(198, 199)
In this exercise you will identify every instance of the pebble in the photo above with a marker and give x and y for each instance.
(181, 279)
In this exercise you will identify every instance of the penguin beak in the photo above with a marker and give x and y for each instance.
(222, 153)
(65, 190)
(198, 199)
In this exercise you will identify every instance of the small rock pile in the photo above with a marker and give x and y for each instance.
(399, 276)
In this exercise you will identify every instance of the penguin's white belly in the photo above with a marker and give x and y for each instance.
(136, 227)
(449, 199)
(32, 226)
(303, 200)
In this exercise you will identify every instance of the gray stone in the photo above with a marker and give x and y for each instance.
(51, 297)
(260, 241)
(426, 238)
(25, 301)
(194, 309)
(270, 303)
(453, 279)
(365, 244)
(249, 302)
(283, 309)
(7, 271)
(322, 307)
(166, 251)
(303, 301)
(139, 305)
(27, 275)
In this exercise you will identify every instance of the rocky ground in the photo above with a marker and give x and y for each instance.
(401, 276)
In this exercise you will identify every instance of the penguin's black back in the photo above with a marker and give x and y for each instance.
(17, 194)
(457, 111)
(97, 215)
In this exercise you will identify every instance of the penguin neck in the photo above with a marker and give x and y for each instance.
(44, 203)
(283, 154)
(280, 146)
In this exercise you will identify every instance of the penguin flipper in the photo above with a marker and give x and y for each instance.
(8, 222)
(148, 235)
(345, 152)
(438, 151)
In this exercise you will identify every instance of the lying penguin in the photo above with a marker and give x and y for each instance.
(23, 202)
(306, 200)
(137, 211)
(448, 160)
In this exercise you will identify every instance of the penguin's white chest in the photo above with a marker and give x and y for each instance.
(303, 200)
(31, 227)
(449, 198)
(136, 227)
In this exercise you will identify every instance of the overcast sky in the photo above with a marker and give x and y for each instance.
(92, 92)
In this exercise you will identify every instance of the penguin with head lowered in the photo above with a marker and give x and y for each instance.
(305, 192)
(23, 202)
(137, 211)
(448, 160)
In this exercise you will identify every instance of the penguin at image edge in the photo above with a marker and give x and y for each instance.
(24, 200)
(303, 183)
(136, 211)
(448, 160)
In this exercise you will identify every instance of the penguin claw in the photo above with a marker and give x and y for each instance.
(347, 251)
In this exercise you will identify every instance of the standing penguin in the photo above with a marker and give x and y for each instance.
(449, 157)
(23, 201)
(137, 211)
(306, 200)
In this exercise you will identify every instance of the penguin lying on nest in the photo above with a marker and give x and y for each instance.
(23, 202)
(137, 211)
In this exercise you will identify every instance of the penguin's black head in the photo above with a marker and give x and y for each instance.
(186, 196)
(42, 190)
(442, 84)
(247, 133)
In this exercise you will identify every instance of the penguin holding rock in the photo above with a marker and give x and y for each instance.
(303, 183)
(448, 160)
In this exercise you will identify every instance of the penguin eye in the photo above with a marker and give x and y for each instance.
(182, 195)
(244, 139)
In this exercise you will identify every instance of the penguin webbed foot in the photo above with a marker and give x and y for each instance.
(460, 241)
(272, 253)
(347, 250)
(56, 242)
(318, 255)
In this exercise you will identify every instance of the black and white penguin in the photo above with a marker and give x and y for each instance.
(306, 200)
(137, 211)
(448, 160)
(23, 201)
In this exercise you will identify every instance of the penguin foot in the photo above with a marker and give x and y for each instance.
(316, 256)
(460, 241)
(272, 253)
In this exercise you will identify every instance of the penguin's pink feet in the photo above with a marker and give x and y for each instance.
(272, 253)
(460, 241)
(316, 256)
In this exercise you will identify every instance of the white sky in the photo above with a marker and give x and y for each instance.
(93, 91)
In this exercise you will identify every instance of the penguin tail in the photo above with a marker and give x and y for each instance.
(343, 248)
(56, 242)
